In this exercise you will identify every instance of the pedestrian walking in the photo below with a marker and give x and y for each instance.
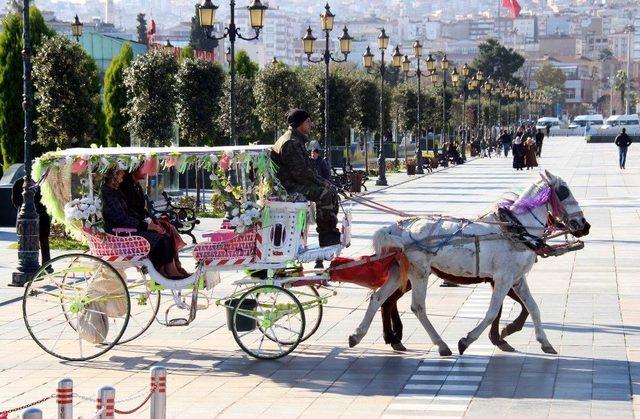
(539, 140)
(505, 140)
(530, 150)
(518, 153)
(623, 141)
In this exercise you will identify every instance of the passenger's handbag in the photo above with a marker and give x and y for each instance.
(107, 294)
(92, 325)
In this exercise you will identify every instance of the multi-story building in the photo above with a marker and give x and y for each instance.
(591, 43)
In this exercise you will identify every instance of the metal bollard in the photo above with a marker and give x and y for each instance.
(158, 404)
(106, 399)
(64, 397)
(32, 413)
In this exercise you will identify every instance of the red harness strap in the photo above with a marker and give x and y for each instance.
(367, 271)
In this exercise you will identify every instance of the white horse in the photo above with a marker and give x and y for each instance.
(485, 247)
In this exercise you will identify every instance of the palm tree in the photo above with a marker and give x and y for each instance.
(620, 84)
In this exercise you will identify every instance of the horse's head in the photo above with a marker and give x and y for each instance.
(565, 208)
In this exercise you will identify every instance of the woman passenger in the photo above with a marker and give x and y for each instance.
(117, 214)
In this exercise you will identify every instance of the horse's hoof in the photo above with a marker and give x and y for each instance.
(353, 341)
(463, 344)
(398, 347)
(505, 347)
(445, 351)
(548, 349)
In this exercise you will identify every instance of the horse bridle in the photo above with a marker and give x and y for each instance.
(558, 201)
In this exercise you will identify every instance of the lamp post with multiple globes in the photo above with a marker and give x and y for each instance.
(383, 43)
(326, 24)
(207, 18)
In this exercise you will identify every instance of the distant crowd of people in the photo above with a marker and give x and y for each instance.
(524, 143)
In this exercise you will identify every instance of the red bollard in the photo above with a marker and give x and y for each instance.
(158, 403)
(105, 402)
(64, 397)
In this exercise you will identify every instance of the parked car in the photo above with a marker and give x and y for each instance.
(630, 122)
(548, 122)
(587, 122)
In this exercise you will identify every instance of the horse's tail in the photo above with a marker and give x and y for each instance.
(383, 239)
(403, 261)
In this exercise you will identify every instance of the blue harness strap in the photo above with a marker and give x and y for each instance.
(436, 247)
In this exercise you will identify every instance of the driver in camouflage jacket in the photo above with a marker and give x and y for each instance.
(297, 173)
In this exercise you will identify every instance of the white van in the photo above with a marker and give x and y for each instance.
(589, 122)
(615, 123)
(547, 122)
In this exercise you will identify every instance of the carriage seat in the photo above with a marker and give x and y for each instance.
(121, 247)
(226, 247)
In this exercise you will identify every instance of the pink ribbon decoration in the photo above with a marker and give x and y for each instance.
(149, 167)
(79, 166)
(170, 162)
(224, 163)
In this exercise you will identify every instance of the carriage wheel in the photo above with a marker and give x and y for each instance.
(311, 302)
(76, 307)
(145, 304)
(264, 312)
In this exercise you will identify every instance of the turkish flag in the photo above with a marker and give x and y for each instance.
(514, 6)
(152, 27)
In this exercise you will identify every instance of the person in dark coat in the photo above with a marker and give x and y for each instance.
(321, 165)
(518, 152)
(137, 202)
(117, 214)
(297, 174)
(539, 140)
(44, 220)
(505, 140)
(623, 141)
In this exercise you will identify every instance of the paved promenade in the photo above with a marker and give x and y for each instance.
(589, 302)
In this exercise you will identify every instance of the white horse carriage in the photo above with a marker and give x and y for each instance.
(79, 305)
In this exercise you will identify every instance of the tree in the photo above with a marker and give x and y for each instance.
(605, 54)
(68, 93)
(11, 113)
(151, 97)
(364, 112)
(247, 124)
(552, 95)
(115, 98)
(340, 101)
(186, 52)
(142, 28)
(198, 39)
(199, 88)
(497, 61)
(244, 66)
(277, 89)
(620, 84)
(404, 110)
(550, 76)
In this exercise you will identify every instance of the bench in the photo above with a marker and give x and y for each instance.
(184, 219)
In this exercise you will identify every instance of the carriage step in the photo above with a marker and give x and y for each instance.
(178, 322)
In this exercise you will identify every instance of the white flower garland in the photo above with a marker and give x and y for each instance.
(84, 212)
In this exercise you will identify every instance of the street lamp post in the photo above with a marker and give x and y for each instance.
(207, 18)
(27, 225)
(326, 22)
(76, 28)
(444, 65)
(383, 43)
(455, 77)
(487, 87)
(417, 53)
(479, 77)
(629, 29)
